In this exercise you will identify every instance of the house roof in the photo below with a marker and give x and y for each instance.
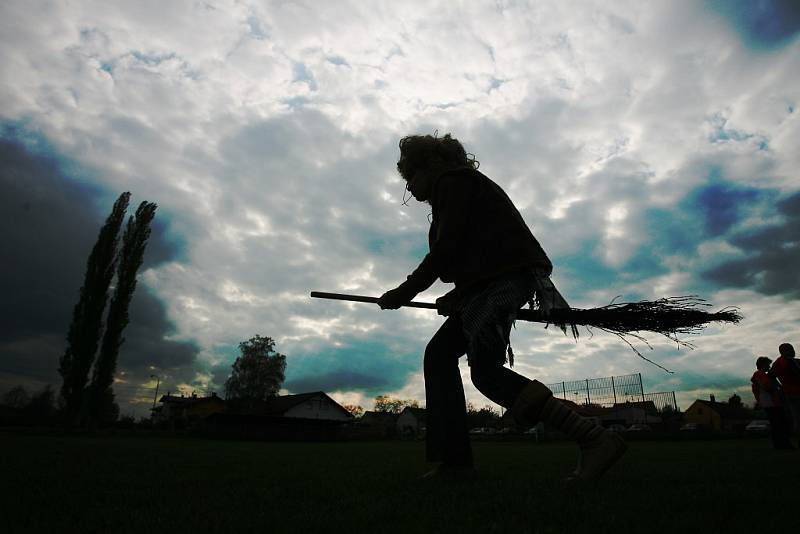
(725, 410)
(282, 404)
(419, 413)
(646, 405)
(592, 410)
(174, 399)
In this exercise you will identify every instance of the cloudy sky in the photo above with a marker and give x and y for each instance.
(651, 147)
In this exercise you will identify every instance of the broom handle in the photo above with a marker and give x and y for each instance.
(525, 315)
(373, 300)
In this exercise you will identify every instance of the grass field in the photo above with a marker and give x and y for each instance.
(154, 484)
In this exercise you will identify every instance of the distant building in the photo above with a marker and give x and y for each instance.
(411, 421)
(718, 415)
(186, 409)
(310, 416)
(314, 405)
(378, 424)
(631, 412)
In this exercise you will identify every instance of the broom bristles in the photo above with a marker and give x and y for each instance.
(669, 317)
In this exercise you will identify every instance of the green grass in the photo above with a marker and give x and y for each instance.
(153, 484)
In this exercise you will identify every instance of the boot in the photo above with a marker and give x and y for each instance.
(599, 449)
(450, 472)
(597, 455)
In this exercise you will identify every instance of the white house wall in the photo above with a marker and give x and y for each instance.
(318, 408)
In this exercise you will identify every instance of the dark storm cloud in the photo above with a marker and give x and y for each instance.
(355, 365)
(712, 211)
(772, 256)
(766, 24)
(721, 205)
(689, 381)
(50, 221)
(145, 344)
(343, 380)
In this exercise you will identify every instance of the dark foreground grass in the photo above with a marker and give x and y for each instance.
(151, 484)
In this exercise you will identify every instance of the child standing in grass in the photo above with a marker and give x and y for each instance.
(769, 398)
(787, 371)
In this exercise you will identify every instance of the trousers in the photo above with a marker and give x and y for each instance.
(447, 435)
(779, 427)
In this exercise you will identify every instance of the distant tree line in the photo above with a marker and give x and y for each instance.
(385, 403)
(482, 417)
(92, 402)
(20, 405)
(487, 416)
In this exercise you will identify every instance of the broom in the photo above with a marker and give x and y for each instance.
(668, 317)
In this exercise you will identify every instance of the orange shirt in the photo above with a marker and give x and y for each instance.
(788, 372)
(765, 390)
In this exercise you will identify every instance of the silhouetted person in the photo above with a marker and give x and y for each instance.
(479, 241)
(787, 370)
(768, 396)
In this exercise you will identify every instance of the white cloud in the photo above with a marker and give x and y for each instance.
(267, 133)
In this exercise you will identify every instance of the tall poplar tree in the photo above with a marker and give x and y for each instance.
(131, 256)
(86, 326)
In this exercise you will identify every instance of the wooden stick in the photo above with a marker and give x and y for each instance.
(525, 315)
(373, 300)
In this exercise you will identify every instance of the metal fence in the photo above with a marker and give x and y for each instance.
(662, 400)
(611, 390)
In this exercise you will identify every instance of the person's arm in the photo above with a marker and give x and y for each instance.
(452, 207)
(418, 281)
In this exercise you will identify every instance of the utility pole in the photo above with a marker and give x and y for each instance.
(155, 396)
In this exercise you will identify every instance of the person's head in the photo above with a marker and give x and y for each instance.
(763, 363)
(786, 350)
(425, 157)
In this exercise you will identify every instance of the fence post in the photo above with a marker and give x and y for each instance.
(588, 398)
(674, 402)
(641, 388)
(613, 390)
(564, 389)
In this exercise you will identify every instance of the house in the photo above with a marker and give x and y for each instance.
(411, 421)
(719, 416)
(314, 405)
(186, 409)
(310, 416)
(378, 424)
(631, 412)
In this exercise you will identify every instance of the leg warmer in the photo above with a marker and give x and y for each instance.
(536, 403)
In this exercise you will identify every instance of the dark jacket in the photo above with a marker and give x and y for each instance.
(476, 234)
